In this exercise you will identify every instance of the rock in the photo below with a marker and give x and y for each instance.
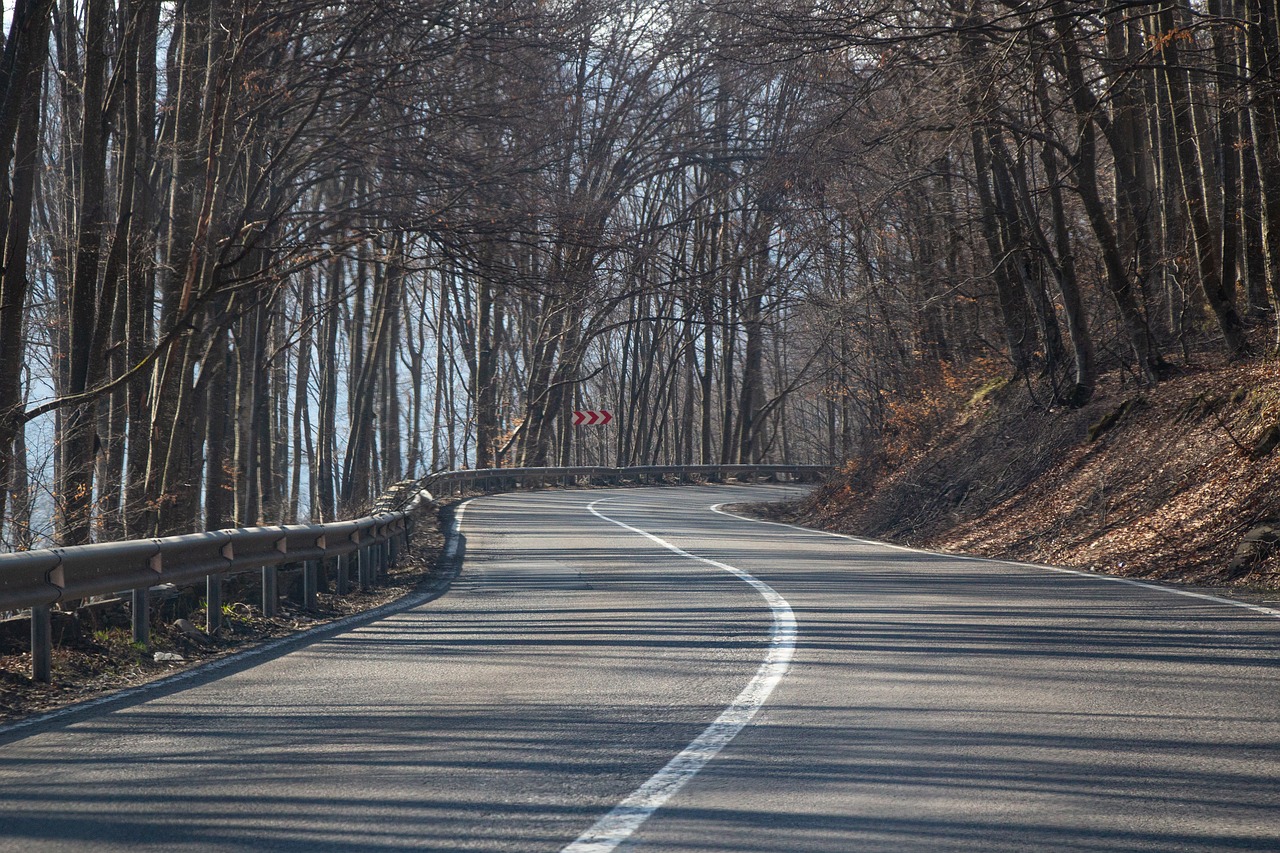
(17, 629)
(1109, 420)
(1255, 546)
(1268, 532)
(185, 626)
(1267, 442)
(168, 656)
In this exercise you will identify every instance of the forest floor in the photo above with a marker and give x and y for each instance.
(94, 654)
(1179, 482)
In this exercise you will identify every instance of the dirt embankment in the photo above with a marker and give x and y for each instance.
(1178, 482)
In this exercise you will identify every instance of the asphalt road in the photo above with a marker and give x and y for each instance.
(928, 703)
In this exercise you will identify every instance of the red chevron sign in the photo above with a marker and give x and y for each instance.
(591, 418)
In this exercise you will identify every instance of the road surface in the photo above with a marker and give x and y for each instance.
(887, 700)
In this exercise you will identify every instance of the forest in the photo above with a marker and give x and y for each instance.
(263, 259)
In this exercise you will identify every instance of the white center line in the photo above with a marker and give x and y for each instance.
(626, 817)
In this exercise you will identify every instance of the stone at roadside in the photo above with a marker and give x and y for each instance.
(190, 630)
(1256, 546)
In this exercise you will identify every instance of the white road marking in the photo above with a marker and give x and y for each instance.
(626, 817)
(1257, 608)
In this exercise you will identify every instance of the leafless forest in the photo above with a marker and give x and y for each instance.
(263, 258)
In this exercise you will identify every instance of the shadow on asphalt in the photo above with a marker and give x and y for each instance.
(918, 619)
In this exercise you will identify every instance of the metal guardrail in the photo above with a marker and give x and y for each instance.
(487, 479)
(40, 579)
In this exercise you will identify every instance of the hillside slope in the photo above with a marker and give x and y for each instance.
(1179, 482)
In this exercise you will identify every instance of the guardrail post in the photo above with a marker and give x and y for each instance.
(393, 548)
(364, 561)
(140, 602)
(310, 571)
(270, 590)
(213, 598)
(343, 583)
(41, 645)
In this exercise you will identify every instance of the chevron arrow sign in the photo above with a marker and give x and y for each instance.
(591, 418)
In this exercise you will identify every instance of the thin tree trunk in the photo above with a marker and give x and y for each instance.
(1207, 240)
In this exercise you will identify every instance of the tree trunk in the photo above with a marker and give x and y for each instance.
(1207, 240)
(20, 87)
(1150, 361)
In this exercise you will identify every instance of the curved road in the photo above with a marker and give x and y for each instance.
(923, 703)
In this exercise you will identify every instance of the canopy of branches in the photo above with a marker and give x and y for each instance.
(261, 259)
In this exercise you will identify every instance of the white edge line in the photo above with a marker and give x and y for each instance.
(1257, 608)
(207, 667)
(626, 817)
